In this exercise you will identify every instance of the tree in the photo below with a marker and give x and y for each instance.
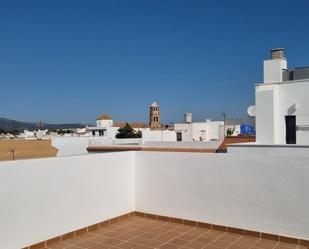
(128, 132)
(230, 131)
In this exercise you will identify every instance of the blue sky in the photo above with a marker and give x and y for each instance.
(69, 61)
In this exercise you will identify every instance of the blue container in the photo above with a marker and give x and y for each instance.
(247, 130)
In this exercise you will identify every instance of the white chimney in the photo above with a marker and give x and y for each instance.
(188, 117)
(274, 67)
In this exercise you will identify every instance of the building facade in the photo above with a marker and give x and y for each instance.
(198, 131)
(282, 103)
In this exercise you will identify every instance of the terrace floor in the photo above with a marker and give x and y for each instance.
(137, 232)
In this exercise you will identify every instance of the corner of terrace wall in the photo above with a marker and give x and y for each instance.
(134, 178)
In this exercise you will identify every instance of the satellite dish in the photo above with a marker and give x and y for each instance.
(251, 111)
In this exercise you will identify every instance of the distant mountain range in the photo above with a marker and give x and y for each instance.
(9, 124)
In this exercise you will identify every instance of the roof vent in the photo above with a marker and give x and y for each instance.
(277, 53)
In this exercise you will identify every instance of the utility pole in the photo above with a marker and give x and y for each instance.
(13, 153)
(224, 115)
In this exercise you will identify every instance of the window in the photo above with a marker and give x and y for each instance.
(101, 133)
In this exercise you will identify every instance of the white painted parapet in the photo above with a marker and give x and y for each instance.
(282, 150)
(44, 198)
(253, 192)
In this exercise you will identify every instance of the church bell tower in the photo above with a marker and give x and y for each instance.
(154, 116)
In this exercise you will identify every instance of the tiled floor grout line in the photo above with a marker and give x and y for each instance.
(128, 240)
(167, 242)
(278, 242)
(208, 231)
(240, 237)
(162, 225)
(215, 239)
(96, 235)
(260, 239)
(174, 238)
(255, 243)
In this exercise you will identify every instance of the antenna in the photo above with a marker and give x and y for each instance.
(40, 125)
(251, 111)
(224, 117)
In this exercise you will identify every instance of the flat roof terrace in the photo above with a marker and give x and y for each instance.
(48, 199)
(140, 232)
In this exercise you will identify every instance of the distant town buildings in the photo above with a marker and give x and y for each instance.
(199, 131)
(188, 131)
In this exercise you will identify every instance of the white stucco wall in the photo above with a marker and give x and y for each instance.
(186, 130)
(255, 192)
(199, 131)
(196, 131)
(158, 136)
(265, 126)
(285, 150)
(213, 130)
(288, 94)
(111, 132)
(73, 146)
(44, 198)
(273, 103)
(104, 123)
(273, 70)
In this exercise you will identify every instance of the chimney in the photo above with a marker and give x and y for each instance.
(274, 67)
(188, 117)
(277, 53)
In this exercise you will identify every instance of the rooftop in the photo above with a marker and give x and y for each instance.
(134, 125)
(104, 117)
(194, 200)
(147, 233)
(194, 146)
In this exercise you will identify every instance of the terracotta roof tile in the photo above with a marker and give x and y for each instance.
(104, 117)
(134, 125)
(138, 148)
(234, 140)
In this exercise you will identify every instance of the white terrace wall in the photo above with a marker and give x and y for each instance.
(44, 198)
(74, 146)
(254, 192)
(282, 150)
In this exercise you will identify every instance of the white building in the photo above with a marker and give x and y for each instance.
(158, 135)
(104, 127)
(37, 134)
(282, 103)
(107, 128)
(198, 131)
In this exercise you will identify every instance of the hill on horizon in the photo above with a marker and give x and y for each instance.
(10, 124)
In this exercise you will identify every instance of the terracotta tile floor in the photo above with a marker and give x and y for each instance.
(137, 232)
